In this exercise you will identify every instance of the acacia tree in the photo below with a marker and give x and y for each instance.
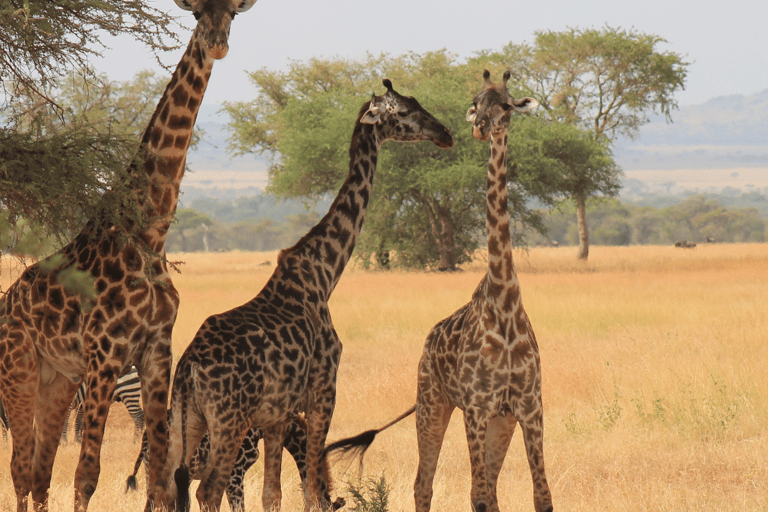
(53, 163)
(45, 187)
(606, 81)
(562, 160)
(427, 203)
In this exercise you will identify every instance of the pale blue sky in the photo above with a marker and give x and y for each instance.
(726, 42)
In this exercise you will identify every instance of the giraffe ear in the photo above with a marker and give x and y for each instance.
(523, 104)
(187, 5)
(471, 114)
(372, 115)
(244, 5)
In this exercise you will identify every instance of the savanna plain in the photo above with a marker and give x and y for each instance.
(655, 380)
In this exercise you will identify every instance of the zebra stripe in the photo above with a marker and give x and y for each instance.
(127, 391)
(4, 425)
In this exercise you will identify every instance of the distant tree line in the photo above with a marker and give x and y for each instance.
(696, 219)
(263, 223)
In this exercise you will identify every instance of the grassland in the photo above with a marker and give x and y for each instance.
(654, 368)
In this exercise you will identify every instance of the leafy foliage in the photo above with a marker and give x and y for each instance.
(68, 134)
(56, 168)
(42, 41)
(697, 218)
(428, 204)
(604, 81)
(373, 497)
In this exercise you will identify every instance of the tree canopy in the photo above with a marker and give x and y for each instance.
(40, 42)
(54, 170)
(605, 81)
(65, 131)
(426, 203)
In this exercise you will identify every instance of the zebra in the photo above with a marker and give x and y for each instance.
(4, 425)
(295, 442)
(127, 391)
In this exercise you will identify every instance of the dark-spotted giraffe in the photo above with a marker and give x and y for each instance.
(483, 358)
(279, 353)
(51, 341)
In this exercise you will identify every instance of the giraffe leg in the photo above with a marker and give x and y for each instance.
(225, 443)
(98, 399)
(155, 376)
(19, 400)
(433, 413)
(498, 437)
(53, 399)
(247, 455)
(533, 435)
(272, 494)
(318, 423)
(476, 426)
(235, 494)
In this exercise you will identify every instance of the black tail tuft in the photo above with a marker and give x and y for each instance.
(181, 477)
(131, 484)
(358, 444)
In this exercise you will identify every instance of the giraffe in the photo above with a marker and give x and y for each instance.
(52, 340)
(278, 354)
(484, 358)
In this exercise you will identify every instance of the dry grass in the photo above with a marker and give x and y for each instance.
(654, 379)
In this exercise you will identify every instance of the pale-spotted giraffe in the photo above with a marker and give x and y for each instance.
(279, 353)
(51, 342)
(483, 358)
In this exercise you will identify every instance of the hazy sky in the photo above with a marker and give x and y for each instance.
(726, 42)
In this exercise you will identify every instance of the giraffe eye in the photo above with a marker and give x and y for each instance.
(197, 15)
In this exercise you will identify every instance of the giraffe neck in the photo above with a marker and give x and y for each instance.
(333, 239)
(164, 145)
(501, 266)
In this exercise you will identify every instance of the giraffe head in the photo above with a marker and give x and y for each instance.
(492, 108)
(213, 20)
(401, 118)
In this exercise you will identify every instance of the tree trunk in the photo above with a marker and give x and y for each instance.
(442, 231)
(447, 249)
(581, 217)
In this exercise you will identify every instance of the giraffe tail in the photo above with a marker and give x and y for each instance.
(358, 444)
(181, 475)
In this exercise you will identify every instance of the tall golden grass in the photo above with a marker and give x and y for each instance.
(654, 370)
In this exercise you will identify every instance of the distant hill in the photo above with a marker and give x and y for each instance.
(729, 132)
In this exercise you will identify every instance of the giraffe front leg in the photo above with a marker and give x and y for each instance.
(98, 398)
(476, 426)
(155, 375)
(52, 406)
(20, 406)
